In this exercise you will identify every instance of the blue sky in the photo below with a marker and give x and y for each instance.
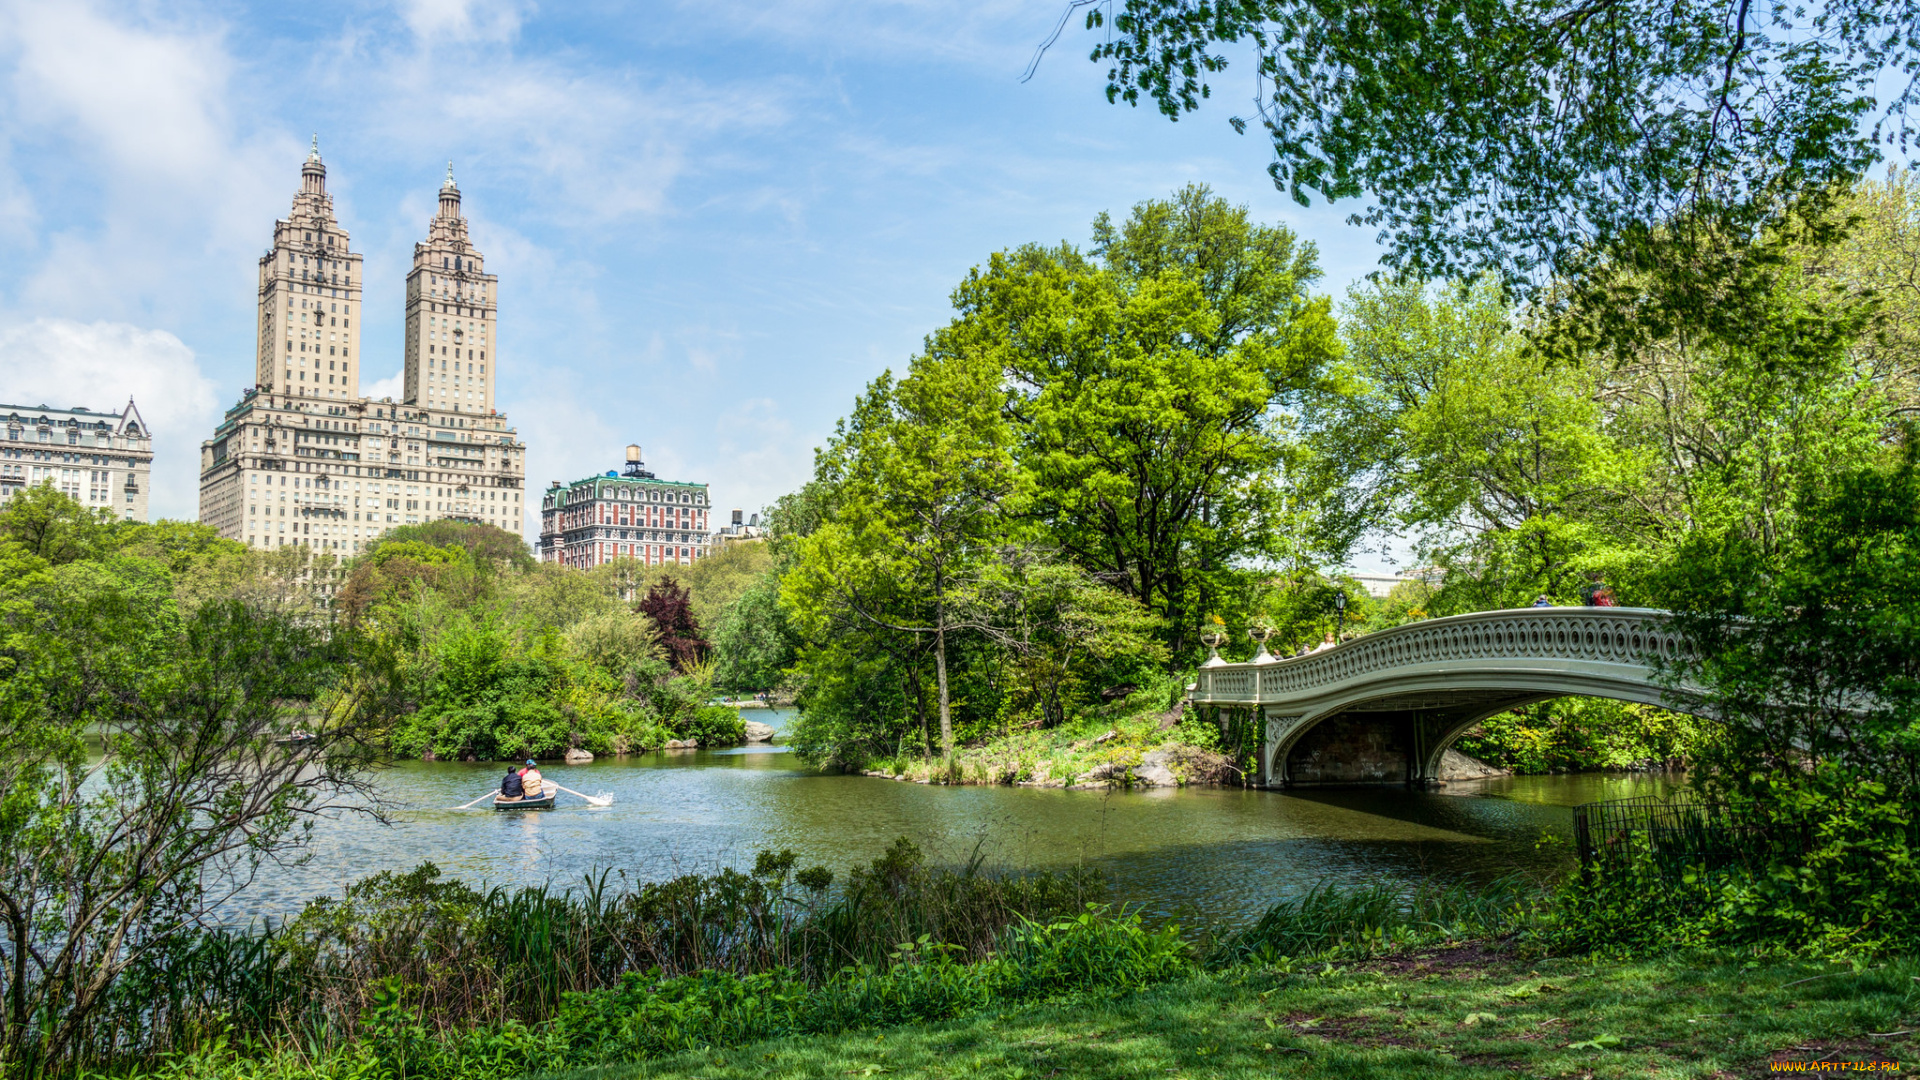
(713, 221)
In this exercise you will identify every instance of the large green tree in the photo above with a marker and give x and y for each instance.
(1151, 380)
(923, 468)
(1455, 431)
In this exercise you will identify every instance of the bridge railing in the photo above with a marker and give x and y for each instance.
(1624, 636)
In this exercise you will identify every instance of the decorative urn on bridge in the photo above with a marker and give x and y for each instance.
(1213, 637)
(1260, 632)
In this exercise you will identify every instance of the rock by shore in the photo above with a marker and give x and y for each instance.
(758, 732)
(1455, 765)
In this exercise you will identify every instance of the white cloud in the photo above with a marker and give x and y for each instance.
(759, 456)
(998, 34)
(99, 365)
(393, 386)
(580, 146)
(145, 98)
(133, 113)
(462, 20)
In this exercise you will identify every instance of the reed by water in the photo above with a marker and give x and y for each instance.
(478, 958)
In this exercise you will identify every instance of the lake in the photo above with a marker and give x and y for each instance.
(1224, 854)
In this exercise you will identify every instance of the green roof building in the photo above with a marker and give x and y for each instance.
(631, 514)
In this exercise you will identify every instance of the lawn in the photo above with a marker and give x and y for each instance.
(1456, 1012)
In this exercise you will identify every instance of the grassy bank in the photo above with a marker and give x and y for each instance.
(1117, 744)
(1338, 982)
(1457, 1011)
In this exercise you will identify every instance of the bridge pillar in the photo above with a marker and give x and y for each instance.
(1366, 747)
(1351, 748)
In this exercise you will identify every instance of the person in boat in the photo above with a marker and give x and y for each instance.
(530, 780)
(510, 785)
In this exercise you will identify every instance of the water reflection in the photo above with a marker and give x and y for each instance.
(1222, 853)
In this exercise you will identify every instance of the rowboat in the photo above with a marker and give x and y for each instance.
(544, 802)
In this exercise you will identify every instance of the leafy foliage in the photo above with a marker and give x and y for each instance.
(1807, 644)
(670, 609)
(110, 860)
(1091, 454)
(1150, 384)
(1528, 137)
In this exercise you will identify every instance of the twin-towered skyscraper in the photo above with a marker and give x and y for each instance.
(310, 306)
(303, 458)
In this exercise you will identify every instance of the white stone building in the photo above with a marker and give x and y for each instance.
(103, 459)
(302, 458)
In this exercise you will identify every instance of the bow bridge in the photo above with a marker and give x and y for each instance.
(1383, 708)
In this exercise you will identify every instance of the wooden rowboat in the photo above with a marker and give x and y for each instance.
(544, 802)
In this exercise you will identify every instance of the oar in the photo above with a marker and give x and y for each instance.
(488, 795)
(593, 799)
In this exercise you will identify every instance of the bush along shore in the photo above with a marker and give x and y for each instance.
(909, 970)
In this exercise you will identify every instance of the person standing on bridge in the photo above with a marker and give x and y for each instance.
(1597, 593)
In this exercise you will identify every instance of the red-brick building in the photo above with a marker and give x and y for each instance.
(624, 515)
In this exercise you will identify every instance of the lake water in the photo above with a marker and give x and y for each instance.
(1224, 854)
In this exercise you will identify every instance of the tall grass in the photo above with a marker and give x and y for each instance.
(1375, 919)
(465, 958)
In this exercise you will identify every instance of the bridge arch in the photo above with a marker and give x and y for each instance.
(1384, 708)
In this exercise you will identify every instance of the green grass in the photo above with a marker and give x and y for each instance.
(1117, 735)
(1453, 1012)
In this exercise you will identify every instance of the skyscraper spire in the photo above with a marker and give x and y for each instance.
(449, 196)
(313, 172)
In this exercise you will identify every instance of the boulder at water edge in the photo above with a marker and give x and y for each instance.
(1154, 771)
(759, 732)
(1455, 765)
(577, 756)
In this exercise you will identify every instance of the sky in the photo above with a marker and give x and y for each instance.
(713, 221)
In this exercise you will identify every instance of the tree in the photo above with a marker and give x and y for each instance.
(553, 596)
(1054, 622)
(615, 642)
(1150, 390)
(1808, 650)
(53, 526)
(488, 545)
(1526, 137)
(178, 544)
(922, 467)
(105, 864)
(395, 573)
(1454, 428)
(754, 644)
(669, 608)
(712, 583)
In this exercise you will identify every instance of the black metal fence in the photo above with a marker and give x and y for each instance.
(1680, 834)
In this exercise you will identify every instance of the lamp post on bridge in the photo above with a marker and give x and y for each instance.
(1339, 614)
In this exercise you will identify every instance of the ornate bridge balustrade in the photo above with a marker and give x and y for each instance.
(1384, 708)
